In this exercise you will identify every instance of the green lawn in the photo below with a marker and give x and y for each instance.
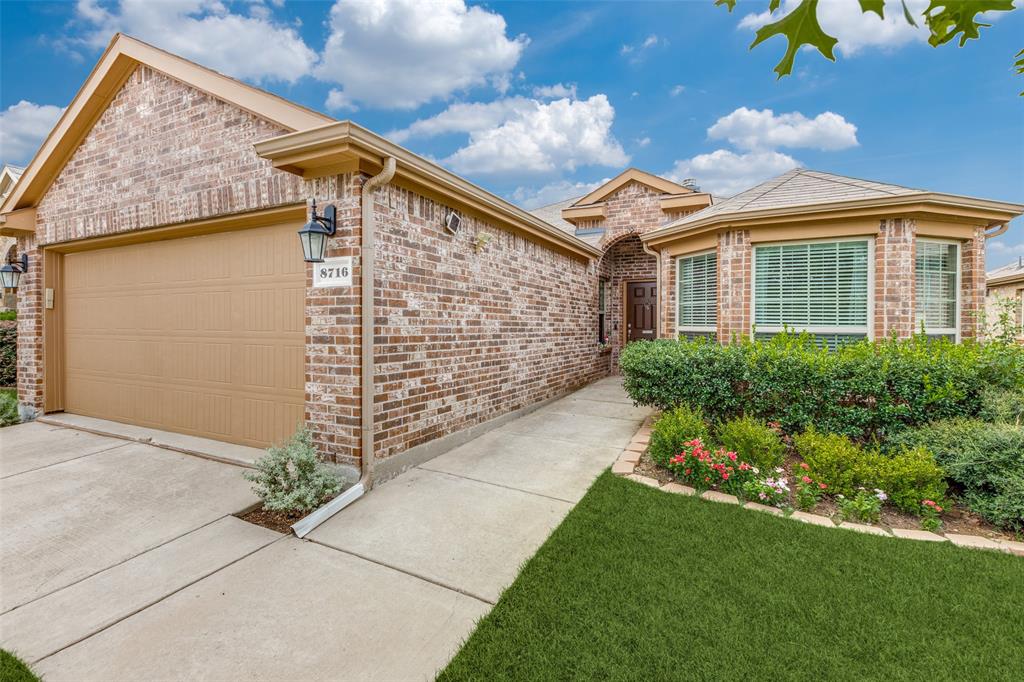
(13, 670)
(638, 584)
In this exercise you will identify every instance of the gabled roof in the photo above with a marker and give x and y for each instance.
(1008, 274)
(8, 177)
(627, 176)
(119, 60)
(552, 214)
(803, 192)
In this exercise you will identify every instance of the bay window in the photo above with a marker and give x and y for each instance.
(697, 295)
(937, 296)
(821, 287)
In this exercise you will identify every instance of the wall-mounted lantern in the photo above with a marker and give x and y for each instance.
(315, 233)
(10, 273)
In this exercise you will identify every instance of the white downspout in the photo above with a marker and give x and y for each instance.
(367, 371)
(661, 303)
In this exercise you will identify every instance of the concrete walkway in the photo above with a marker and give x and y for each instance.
(387, 589)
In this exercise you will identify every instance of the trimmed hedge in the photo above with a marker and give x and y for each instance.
(864, 390)
(672, 430)
(8, 353)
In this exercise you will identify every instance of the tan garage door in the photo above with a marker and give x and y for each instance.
(201, 335)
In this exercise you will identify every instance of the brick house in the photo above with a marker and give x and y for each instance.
(166, 286)
(1004, 293)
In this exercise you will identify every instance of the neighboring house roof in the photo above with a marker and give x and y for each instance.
(9, 175)
(119, 60)
(809, 192)
(1008, 274)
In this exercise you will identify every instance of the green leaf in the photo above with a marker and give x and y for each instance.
(876, 6)
(773, 5)
(907, 15)
(959, 17)
(800, 27)
(1019, 65)
(731, 4)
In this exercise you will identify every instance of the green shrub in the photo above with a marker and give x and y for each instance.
(8, 407)
(907, 477)
(866, 390)
(986, 461)
(8, 315)
(672, 430)
(753, 441)
(8, 353)
(1002, 405)
(292, 478)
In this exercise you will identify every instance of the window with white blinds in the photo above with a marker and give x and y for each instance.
(819, 287)
(936, 276)
(697, 294)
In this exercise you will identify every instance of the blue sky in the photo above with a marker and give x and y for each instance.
(538, 101)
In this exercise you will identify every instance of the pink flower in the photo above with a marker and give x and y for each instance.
(806, 479)
(804, 466)
(822, 486)
(732, 456)
(725, 476)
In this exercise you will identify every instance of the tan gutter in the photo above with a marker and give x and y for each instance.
(367, 368)
(999, 229)
(324, 149)
(963, 209)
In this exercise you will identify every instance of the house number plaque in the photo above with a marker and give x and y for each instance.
(333, 272)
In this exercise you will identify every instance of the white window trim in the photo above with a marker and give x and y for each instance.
(942, 331)
(869, 332)
(696, 329)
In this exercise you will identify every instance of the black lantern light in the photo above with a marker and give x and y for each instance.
(315, 233)
(10, 272)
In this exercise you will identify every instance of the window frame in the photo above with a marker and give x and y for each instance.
(942, 331)
(696, 329)
(868, 331)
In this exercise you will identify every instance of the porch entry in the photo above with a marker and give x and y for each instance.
(641, 310)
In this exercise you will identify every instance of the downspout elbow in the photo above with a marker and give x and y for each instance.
(999, 229)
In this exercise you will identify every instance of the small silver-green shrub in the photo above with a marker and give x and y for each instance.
(291, 478)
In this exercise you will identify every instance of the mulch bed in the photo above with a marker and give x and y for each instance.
(277, 521)
(954, 519)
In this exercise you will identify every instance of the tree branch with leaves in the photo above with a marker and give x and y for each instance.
(945, 20)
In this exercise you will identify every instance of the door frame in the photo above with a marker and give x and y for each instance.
(54, 379)
(624, 302)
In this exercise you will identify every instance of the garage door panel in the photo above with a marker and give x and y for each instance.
(203, 335)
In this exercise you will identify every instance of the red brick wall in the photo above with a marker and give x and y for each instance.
(894, 278)
(734, 281)
(161, 153)
(972, 283)
(623, 261)
(462, 334)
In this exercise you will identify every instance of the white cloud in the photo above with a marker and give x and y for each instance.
(339, 101)
(725, 173)
(520, 136)
(560, 190)
(252, 47)
(403, 53)
(677, 90)
(642, 141)
(854, 29)
(23, 126)
(555, 91)
(545, 138)
(763, 129)
(635, 51)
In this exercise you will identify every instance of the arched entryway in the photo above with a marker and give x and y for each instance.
(629, 275)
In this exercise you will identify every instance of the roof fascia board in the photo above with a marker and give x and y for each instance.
(685, 201)
(1015, 278)
(122, 56)
(632, 175)
(580, 212)
(956, 208)
(371, 149)
(18, 223)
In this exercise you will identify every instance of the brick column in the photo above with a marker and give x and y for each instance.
(734, 267)
(972, 283)
(667, 329)
(30, 326)
(332, 330)
(894, 278)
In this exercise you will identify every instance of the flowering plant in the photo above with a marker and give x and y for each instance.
(808, 490)
(702, 468)
(930, 511)
(773, 490)
(865, 505)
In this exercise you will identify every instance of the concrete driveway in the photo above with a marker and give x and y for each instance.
(387, 589)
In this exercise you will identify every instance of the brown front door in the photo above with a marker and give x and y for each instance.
(641, 310)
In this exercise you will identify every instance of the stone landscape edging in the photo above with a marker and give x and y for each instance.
(629, 459)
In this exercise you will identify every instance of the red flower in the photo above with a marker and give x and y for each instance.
(687, 472)
(725, 476)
